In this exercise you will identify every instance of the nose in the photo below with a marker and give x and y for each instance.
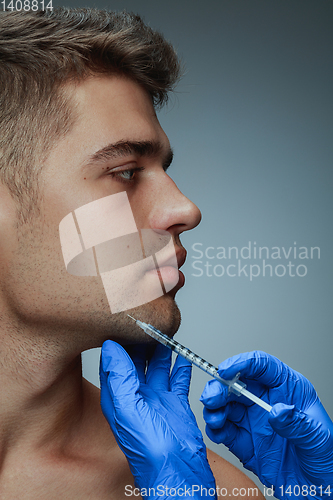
(171, 210)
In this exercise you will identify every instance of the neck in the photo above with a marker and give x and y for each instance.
(42, 388)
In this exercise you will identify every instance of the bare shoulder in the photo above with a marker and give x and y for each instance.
(235, 482)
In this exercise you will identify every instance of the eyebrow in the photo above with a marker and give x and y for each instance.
(121, 149)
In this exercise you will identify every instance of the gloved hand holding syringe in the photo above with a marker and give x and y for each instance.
(235, 385)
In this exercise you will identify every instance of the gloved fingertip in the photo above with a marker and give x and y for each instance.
(214, 395)
(181, 368)
(295, 425)
(182, 362)
(281, 415)
(281, 411)
(251, 365)
(112, 354)
(215, 419)
(231, 366)
(107, 346)
(227, 366)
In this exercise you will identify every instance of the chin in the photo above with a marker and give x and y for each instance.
(163, 313)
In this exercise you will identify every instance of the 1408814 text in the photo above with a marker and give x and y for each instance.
(26, 5)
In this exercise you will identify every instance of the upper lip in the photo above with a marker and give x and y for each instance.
(180, 256)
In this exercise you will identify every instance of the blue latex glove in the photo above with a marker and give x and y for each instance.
(149, 414)
(288, 448)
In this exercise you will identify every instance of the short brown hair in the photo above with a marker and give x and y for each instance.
(39, 53)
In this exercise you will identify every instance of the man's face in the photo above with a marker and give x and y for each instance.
(84, 167)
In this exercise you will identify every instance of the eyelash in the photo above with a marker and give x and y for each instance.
(118, 177)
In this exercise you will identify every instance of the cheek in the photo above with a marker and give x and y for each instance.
(36, 285)
(39, 291)
(141, 206)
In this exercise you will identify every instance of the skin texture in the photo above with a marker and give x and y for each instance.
(54, 439)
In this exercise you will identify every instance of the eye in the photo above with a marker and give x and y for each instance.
(126, 175)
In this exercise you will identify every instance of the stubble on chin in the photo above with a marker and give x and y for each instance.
(162, 313)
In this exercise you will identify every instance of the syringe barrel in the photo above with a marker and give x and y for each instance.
(187, 354)
(236, 386)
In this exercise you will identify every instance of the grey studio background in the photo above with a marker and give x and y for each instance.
(251, 126)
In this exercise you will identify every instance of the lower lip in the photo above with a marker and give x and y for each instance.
(181, 281)
(170, 276)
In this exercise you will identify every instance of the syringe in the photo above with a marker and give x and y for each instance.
(235, 386)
